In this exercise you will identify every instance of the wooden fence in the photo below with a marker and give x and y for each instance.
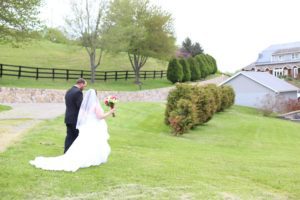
(68, 74)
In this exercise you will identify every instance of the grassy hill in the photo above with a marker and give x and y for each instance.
(47, 54)
(238, 155)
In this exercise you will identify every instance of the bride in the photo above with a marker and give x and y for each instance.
(90, 147)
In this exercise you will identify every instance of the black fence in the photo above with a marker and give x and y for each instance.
(69, 74)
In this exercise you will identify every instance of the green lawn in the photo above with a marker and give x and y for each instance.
(48, 54)
(4, 108)
(120, 85)
(237, 155)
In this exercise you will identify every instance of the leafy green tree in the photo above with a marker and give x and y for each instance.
(174, 72)
(186, 70)
(18, 18)
(86, 24)
(56, 36)
(195, 70)
(140, 29)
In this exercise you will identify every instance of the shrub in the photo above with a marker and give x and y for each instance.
(182, 119)
(195, 70)
(228, 97)
(192, 105)
(291, 105)
(276, 103)
(217, 93)
(203, 65)
(182, 91)
(174, 72)
(186, 70)
(204, 102)
(212, 64)
(271, 103)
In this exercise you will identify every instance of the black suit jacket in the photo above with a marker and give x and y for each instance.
(73, 99)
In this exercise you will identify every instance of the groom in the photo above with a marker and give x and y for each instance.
(73, 99)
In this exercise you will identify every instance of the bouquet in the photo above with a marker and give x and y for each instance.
(110, 101)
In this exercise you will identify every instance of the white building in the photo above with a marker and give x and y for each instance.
(279, 60)
(252, 88)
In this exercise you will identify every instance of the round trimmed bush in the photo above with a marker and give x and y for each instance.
(194, 67)
(174, 72)
(186, 70)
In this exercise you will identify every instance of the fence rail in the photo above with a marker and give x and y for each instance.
(68, 74)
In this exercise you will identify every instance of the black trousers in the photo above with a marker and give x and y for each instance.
(72, 134)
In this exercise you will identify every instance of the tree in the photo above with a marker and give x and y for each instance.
(187, 45)
(140, 29)
(186, 70)
(191, 48)
(174, 72)
(195, 70)
(55, 35)
(203, 65)
(18, 18)
(214, 63)
(86, 24)
(197, 49)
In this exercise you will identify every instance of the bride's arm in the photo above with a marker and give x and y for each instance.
(101, 115)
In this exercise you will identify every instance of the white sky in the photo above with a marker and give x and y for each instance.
(233, 31)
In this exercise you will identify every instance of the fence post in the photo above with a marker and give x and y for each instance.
(67, 71)
(105, 76)
(126, 76)
(116, 75)
(53, 74)
(154, 74)
(37, 74)
(19, 73)
(161, 74)
(81, 74)
(145, 75)
(1, 70)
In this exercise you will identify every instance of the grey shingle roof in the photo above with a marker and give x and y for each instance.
(267, 80)
(266, 55)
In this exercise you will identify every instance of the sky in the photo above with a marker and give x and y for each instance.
(232, 31)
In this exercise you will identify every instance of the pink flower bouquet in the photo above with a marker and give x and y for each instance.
(110, 101)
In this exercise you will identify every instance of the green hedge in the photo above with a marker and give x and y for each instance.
(195, 70)
(192, 105)
(174, 72)
(186, 70)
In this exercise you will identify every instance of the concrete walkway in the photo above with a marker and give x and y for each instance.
(23, 117)
(35, 111)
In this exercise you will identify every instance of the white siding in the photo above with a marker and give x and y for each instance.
(248, 92)
(252, 94)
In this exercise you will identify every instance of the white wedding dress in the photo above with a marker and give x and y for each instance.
(90, 148)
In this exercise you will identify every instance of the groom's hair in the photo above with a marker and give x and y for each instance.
(81, 80)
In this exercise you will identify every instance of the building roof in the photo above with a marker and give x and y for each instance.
(286, 51)
(266, 55)
(267, 80)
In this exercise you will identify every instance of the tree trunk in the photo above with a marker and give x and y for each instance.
(93, 67)
(137, 77)
(137, 62)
